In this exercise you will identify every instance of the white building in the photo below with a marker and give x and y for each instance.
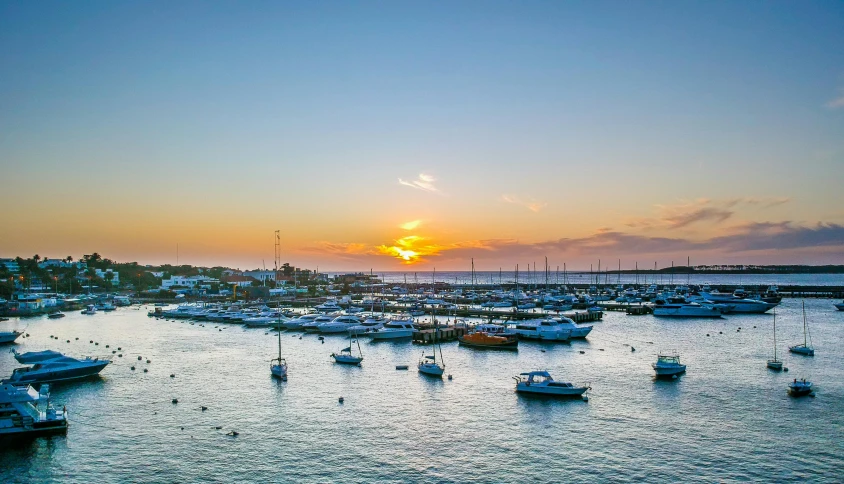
(194, 282)
(115, 280)
(263, 276)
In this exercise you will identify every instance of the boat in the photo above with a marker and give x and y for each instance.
(542, 383)
(799, 388)
(27, 412)
(543, 329)
(328, 307)
(806, 348)
(278, 366)
(298, 322)
(685, 310)
(577, 331)
(428, 364)
(9, 336)
(370, 324)
(313, 325)
(740, 305)
(90, 309)
(269, 319)
(106, 306)
(340, 324)
(345, 355)
(775, 364)
(58, 369)
(395, 329)
(490, 336)
(839, 307)
(668, 365)
(55, 315)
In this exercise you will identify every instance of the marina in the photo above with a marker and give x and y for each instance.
(192, 363)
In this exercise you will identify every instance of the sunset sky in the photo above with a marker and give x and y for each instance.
(395, 135)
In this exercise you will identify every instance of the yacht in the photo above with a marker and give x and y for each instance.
(270, 319)
(799, 388)
(9, 336)
(577, 331)
(328, 307)
(541, 383)
(543, 329)
(340, 324)
(57, 369)
(668, 365)
(370, 324)
(839, 307)
(686, 310)
(90, 309)
(395, 329)
(298, 322)
(25, 412)
(105, 306)
(753, 306)
(56, 315)
(313, 325)
(489, 340)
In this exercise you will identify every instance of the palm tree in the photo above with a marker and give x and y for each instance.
(109, 276)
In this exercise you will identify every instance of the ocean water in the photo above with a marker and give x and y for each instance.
(727, 419)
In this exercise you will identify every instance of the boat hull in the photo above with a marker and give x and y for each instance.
(403, 334)
(9, 337)
(775, 365)
(555, 391)
(60, 375)
(669, 371)
(347, 360)
(510, 344)
(431, 370)
(802, 350)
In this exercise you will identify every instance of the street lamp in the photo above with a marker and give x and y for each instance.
(56, 280)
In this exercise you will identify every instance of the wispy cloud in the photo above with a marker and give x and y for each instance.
(838, 102)
(703, 210)
(423, 182)
(531, 204)
(410, 225)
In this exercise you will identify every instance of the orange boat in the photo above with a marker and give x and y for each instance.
(481, 339)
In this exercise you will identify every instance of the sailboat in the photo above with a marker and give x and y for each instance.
(806, 348)
(774, 363)
(345, 355)
(278, 366)
(428, 364)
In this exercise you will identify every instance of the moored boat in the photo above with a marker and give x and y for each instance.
(489, 340)
(668, 365)
(9, 336)
(799, 388)
(58, 369)
(542, 383)
(25, 411)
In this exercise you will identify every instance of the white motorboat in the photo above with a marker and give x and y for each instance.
(328, 307)
(278, 366)
(90, 309)
(370, 324)
(340, 324)
(395, 329)
(543, 329)
(272, 319)
(297, 323)
(345, 355)
(25, 412)
(541, 383)
(799, 388)
(9, 336)
(752, 306)
(313, 326)
(58, 369)
(668, 365)
(577, 331)
(686, 310)
(806, 348)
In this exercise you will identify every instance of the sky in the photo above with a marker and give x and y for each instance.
(412, 135)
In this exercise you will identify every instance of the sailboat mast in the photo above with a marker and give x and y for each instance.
(775, 334)
(805, 343)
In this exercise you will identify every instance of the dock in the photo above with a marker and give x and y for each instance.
(428, 336)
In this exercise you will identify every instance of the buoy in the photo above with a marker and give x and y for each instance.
(183, 428)
(673, 377)
(91, 341)
(542, 351)
(68, 341)
(219, 329)
(300, 337)
(341, 400)
(114, 352)
(106, 345)
(785, 369)
(707, 335)
(120, 355)
(175, 400)
(720, 332)
(401, 367)
(96, 344)
(632, 349)
(204, 408)
(323, 341)
(77, 339)
(139, 358)
(119, 348)
(172, 375)
(145, 370)
(147, 361)
(133, 368)
(233, 433)
(219, 428)
(449, 377)
(582, 352)
(600, 349)
(754, 327)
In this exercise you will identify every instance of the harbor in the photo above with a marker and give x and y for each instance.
(223, 368)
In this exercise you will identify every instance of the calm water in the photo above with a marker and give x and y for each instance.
(728, 418)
